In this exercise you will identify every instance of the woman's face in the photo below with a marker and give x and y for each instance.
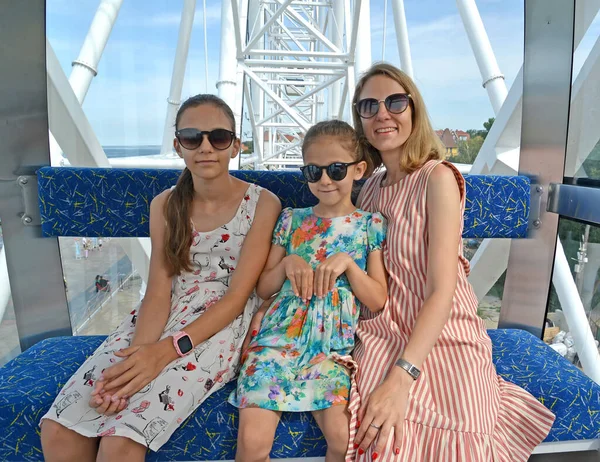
(387, 132)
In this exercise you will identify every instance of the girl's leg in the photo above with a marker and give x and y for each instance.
(117, 448)
(334, 422)
(256, 434)
(61, 444)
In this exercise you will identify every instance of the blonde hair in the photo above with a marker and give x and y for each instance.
(422, 144)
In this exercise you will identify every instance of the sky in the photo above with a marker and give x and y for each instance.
(127, 100)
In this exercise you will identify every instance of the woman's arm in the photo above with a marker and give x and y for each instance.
(370, 287)
(154, 310)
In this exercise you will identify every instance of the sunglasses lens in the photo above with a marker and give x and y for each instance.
(189, 138)
(367, 107)
(337, 171)
(311, 173)
(396, 103)
(220, 138)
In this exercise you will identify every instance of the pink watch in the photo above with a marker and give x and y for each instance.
(182, 343)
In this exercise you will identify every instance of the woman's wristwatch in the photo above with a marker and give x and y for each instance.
(408, 367)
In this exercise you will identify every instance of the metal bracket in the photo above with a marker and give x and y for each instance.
(574, 202)
(29, 191)
(535, 205)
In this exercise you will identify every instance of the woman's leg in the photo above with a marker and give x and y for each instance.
(120, 448)
(334, 422)
(61, 444)
(256, 434)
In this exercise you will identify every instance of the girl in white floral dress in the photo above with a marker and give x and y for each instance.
(210, 240)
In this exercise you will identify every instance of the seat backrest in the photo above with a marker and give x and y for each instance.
(116, 202)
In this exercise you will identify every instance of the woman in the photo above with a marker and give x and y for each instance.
(427, 387)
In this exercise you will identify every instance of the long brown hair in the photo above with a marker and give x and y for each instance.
(422, 144)
(178, 235)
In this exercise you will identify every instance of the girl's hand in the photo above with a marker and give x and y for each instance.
(385, 408)
(328, 271)
(141, 365)
(300, 275)
(102, 401)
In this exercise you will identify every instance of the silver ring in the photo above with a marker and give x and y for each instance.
(375, 426)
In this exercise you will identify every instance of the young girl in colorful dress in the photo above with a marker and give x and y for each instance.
(427, 388)
(210, 240)
(324, 259)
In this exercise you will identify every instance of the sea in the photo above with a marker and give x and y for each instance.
(131, 151)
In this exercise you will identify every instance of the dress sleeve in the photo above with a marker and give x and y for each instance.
(281, 233)
(376, 230)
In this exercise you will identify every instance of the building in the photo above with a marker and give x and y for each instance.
(450, 139)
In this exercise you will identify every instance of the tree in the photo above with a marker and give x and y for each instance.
(468, 150)
(249, 146)
(488, 125)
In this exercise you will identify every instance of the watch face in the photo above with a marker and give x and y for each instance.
(185, 344)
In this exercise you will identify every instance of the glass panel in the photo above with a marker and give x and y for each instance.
(102, 285)
(581, 244)
(9, 346)
(489, 305)
(583, 149)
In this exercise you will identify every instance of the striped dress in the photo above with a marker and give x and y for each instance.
(459, 409)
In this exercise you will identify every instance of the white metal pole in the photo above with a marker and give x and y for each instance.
(4, 284)
(228, 65)
(363, 42)
(575, 315)
(337, 37)
(181, 54)
(493, 79)
(85, 66)
(402, 36)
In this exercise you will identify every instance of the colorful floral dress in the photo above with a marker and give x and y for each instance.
(297, 360)
(157, 410)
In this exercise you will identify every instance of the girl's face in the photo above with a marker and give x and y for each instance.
(206, 161)
(387, 132)
(325, 151)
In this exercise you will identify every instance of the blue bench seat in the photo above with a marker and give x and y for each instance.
(29, 384)
(115, 203)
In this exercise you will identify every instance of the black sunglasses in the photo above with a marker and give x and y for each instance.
(219, 138)
(395, 104)
(336, 171)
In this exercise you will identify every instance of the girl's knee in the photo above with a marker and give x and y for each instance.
(59, 443)
(254, 443)
(115, 448)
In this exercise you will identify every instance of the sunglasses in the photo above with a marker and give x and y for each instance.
(219, 138)
(336, 171)
(395, 104)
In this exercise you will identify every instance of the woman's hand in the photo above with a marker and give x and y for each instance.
(140, 366)
(300, 275)
(328, 271)
(384, 408)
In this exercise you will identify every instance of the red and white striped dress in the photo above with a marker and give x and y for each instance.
(459, 409)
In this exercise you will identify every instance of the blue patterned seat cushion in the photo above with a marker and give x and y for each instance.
(29, 383)
(116, 202)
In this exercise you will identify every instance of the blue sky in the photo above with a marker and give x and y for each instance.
(127, 100)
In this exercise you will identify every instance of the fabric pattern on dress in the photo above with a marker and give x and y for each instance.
(459, 408)
(298, 360)
(157, 410)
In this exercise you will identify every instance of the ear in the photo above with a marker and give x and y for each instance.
(359, 170)
(237, 144)
(177, 147)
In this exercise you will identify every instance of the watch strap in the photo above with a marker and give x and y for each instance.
(412, 370)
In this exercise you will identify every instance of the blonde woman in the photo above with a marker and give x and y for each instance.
(427, 387)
